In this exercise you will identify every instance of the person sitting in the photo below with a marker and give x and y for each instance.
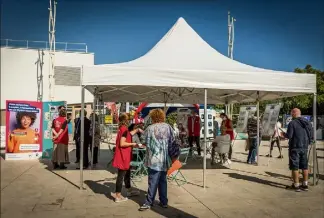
(182, 134)
(223, 140)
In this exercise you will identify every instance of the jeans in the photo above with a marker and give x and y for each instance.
(123, 175)
(157, 180)
(252, 150)
(298, 159)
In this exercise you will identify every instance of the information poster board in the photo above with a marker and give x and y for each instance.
(50, 112)
(270, 118)
(288, 118)
(23, 130)
(245, 113)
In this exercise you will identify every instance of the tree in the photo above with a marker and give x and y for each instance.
(304, 102)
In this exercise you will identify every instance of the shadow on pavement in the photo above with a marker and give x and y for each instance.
(276, 175)
(255, 179)
(107, 188)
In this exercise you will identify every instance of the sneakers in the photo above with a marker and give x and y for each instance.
(132, 193)
(163, 205)
(293, 187)
(280, 157)
(144, 207)
(304, 187)
(120, 200)
(268, 155)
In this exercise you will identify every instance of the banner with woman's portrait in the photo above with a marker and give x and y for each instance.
(23, 130)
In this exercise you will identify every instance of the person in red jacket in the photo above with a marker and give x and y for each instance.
(122, 159)
(194, 131)
(60, 139)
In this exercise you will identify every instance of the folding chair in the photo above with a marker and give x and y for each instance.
(137, 165)
(223, 149)
(175, 176)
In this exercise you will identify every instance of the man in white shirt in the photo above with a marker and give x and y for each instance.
(223, 139)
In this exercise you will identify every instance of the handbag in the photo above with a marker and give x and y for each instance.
(174, 149)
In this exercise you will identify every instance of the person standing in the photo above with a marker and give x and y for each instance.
(77, 137)
(158, 137)
(252, 130)
(216, 127)
(300, 136)
(60, 139)
(122, 159)
(96, 136)
(276, 139)
(228, 124)
(194, 131)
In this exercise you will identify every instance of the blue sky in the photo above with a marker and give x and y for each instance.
(279, 35)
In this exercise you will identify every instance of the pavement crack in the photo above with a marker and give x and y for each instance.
(17, 177)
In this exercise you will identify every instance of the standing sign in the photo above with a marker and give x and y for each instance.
(50, 112)
(108, 119)
(23, 130)
(270, 118)
(245, 113)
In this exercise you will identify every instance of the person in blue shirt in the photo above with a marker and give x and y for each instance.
(300, 135)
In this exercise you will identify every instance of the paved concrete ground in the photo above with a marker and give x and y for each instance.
(30, 189)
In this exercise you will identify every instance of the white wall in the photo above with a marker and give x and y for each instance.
(19, 75)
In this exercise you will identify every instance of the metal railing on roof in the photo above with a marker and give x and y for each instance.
(59, 46)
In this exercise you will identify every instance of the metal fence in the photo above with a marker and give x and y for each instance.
(59, 46)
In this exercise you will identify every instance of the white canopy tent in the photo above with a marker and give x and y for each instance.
(181, 68)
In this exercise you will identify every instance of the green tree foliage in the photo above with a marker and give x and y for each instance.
(304, 102)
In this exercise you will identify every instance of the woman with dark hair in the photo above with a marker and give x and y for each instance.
(228, 125)
(23, 134)
(122, 159)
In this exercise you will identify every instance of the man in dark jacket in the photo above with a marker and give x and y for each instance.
(300, 135)
(77, 138)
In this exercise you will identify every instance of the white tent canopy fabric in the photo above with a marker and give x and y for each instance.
(181, 65)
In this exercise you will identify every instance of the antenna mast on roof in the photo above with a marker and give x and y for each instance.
(51, 37)
(40, 64)
(231, 21)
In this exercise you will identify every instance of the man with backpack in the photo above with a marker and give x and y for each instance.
(300, 135)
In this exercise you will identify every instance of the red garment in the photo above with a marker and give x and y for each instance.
(123, 155)
(63, 138)
(196, 130)
(228, 126)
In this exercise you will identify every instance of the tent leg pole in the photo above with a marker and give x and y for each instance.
(93, 123)
(82, 137)
(314, 134)
(258, 127)
(205, 139)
